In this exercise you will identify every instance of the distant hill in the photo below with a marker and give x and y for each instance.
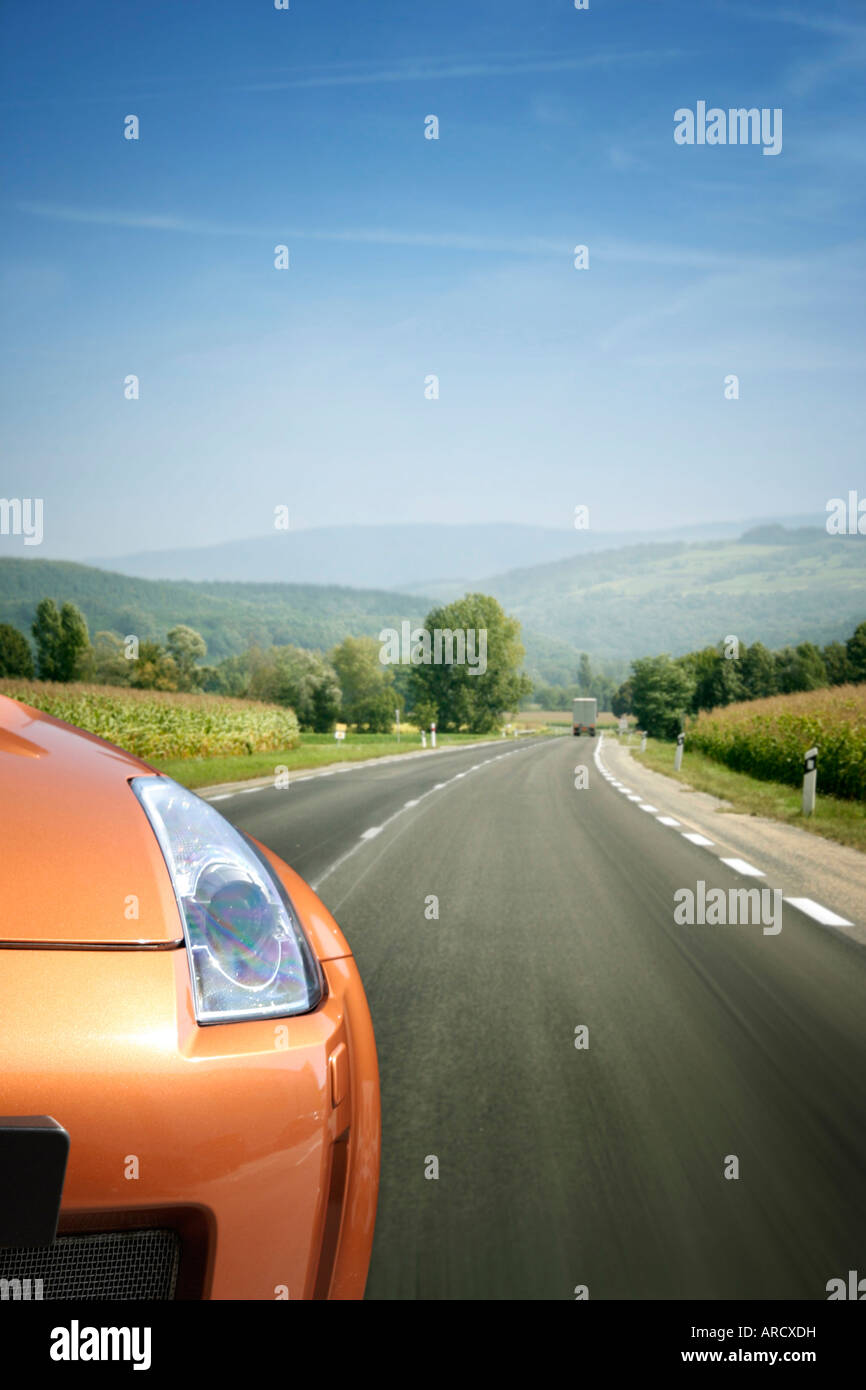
(614, 604)
(776, 588)
(407, 558)
(230, 617)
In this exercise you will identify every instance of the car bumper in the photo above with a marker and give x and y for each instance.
(256, 1143)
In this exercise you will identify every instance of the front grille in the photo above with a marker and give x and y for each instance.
(118, 1265)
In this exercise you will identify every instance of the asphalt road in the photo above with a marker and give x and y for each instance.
(601, 1166)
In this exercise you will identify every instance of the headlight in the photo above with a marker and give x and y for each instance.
(248, 955)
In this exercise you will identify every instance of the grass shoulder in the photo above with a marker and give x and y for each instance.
(316, 750)
(834, 819)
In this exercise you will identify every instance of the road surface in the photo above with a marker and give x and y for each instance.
(600, 1166)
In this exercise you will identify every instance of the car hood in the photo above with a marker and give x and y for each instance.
(79, 862)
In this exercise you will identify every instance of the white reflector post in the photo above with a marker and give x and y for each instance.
(810, 778)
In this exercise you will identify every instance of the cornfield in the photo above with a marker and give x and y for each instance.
(157, 725)
(768, 738)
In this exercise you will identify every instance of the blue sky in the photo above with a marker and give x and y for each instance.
(409, 256)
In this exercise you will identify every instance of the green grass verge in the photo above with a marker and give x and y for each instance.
(316, 750)
(842, 821)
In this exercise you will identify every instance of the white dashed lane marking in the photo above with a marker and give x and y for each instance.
(375, 830)
(820, 914)
(742, 867)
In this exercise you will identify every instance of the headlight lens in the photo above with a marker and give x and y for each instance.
(248, 955)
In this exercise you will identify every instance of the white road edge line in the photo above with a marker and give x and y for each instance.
(820, 914)
(695, 838)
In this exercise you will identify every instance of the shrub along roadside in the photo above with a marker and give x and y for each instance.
(158, 725)
(768, 738)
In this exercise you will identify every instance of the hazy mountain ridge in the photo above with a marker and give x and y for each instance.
(415, 558)
(643, 600)
(615, 605)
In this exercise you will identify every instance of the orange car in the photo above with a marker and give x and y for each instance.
(180, 1013)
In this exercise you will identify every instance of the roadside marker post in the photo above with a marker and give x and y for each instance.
(678, 756)
(423, 738)
(810, 778)
(432, 735)
(643, 743)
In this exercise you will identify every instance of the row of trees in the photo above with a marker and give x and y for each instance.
(662, 690)
(352, 682)
(589, 682)
(64, 652)
(355, 684)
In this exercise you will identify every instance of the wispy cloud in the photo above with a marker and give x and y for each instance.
(139, 221)
(613, 250)
(824, 23)
(161, 86)
(433, 70)
(848, 55)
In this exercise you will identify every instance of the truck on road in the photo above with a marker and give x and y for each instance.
(583, 717)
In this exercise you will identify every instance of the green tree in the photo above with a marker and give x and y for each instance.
(466, 695)
(154, 669)
(558, 697)
(800, 668)
(662, 694)
(424, 713)
(302, 680)
(106, 662)
(48, 636)
(16, 658)
(603, 689)
(717, 678)
(231, 676)
(856, 649)
(61, 639)
(369, 695)
(622, 700)
(835, 656)
(758, 672)
(186, 647)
